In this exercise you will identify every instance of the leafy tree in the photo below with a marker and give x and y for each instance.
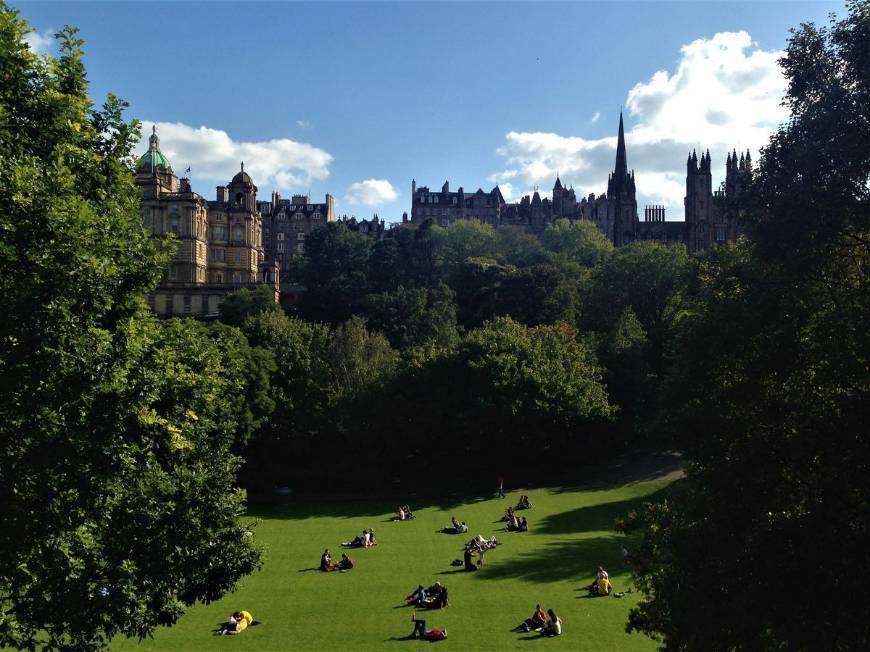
(579, 241)
(462, 240)
(335, 273)
(117, 432)
(414, 316)
(244, 303)
(773, 389)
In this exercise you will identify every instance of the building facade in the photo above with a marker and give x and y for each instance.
(219, 243)
(710, 217)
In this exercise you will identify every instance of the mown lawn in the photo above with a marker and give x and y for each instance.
(300, 608)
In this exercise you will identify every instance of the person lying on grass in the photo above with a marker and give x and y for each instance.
(554, 627)
(434, 634)
(455, 528)
(237, 623)
(536, 623)
(364, 540)
(326, 564)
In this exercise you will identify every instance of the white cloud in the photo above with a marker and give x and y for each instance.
(371, 192)
(303, 123)
(724, 93)
(595, 117)
(40, 43)
(280, 163)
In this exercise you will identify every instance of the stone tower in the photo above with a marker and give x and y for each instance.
(698, 202)
(622, 195)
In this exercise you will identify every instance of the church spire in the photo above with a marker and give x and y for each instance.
(621, 169)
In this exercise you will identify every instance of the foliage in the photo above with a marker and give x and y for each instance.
(118, 433)
(414, 316)
(770, 395)
(241, 304)
(578, 241)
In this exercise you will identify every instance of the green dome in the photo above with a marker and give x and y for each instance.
(153, 158)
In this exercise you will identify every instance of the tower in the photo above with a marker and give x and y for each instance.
(622, 194)
(698, 202)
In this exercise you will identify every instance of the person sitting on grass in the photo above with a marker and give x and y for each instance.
(403, 513)
(601, 585)
(326, 564)
(513, 523)
(237, 623)
(523, 526)
(436, 596)
(418, 597)
(359, 541)
(508, 514)
(462, 528)
(467, 562)
(434, 634)
(345, 564)
(536, 623)
(554, 627)
(523, 503)
(372, 540)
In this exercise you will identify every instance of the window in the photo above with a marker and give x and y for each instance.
(237, 278)
(238, 233)
(219, 231)
(280, 237)
(315, 216)
(300, 236)
(300, 247)
(173, 223)
(173, 272)
(720, 234)
(280, 247)
(186, 303)
(219, 278)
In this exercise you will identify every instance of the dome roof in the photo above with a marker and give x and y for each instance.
(242, 177)
(153, 158)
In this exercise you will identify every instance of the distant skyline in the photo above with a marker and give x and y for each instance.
(356, 99)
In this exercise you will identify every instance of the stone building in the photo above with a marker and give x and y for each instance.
(709, 217)
(287, 223)
(374, 228)
(219, 242)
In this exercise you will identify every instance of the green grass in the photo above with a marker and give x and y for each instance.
(300, 608)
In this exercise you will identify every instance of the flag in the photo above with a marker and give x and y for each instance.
(187, 171)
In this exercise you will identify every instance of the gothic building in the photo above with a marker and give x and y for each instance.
(219, 243)
(709, 217)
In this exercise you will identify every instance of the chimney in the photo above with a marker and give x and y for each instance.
(223, 195)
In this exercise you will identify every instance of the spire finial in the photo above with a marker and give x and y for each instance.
(243, 166)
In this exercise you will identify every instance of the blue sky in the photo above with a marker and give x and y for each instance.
(356, 99)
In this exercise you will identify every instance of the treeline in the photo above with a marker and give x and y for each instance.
(461, 349)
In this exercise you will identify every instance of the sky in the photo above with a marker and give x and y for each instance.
(357, 99)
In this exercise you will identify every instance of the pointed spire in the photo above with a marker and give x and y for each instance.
(243, 166)
(621, 168)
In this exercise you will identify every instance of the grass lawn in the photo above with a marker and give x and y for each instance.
(300, 608)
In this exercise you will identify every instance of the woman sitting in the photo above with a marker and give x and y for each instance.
(537, 622)
(417, 597)
(508, 515)
(601, 585)
(326, 564)
(372, 540)
(359, 541)
(345, 564)
(437, 596)
(523, 525)
(237, 623)
(523, 503)
(434, 634)
(467, 563)
(513, 523)
(554, 627)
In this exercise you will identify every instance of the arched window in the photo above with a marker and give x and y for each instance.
(173, 223)
(238, 233)
(239, 199)
(219, 278)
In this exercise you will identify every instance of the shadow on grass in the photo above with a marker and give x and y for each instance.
(554, 562)
(595, 518)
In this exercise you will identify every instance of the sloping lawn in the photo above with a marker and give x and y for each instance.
(300, 608)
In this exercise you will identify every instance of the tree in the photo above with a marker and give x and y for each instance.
(770, 394)
(117, 434)
(580, 241)
(414, 316)
(244, 303)
(335, 273)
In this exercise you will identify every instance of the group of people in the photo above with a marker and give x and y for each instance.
(523, 503)
(455, 527)
(238, 622)
(549, 624)
(364, 540)
(403, 513)
(515, 523)
(326, 565)
(601, 584)
(435, 597)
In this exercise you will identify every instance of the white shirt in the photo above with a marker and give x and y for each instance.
(556, 626)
